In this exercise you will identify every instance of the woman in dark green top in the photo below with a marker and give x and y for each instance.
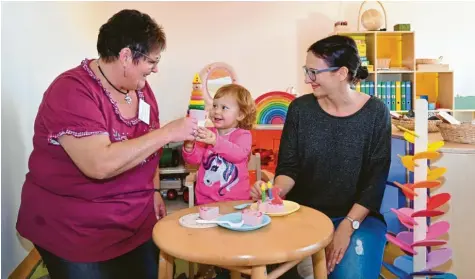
(334, 156)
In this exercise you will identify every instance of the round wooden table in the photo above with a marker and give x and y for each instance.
(286, 240)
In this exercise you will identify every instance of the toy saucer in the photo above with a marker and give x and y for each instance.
(290, 207)
(189, 221)
(236, 217)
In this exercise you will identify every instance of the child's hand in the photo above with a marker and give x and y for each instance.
(188, 145)
(206, 136)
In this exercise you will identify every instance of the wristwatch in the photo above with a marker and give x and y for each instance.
(354, 223)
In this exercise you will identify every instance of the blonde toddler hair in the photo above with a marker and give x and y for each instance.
(246, 104)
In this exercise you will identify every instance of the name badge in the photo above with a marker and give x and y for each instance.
(144, 112)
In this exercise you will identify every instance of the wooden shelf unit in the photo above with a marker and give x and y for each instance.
(399, 46)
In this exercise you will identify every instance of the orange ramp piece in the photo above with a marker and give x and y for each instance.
(406, 189)
(430, 155)
(429, 184)
(408, 162)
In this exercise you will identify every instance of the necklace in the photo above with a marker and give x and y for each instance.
(127, 98)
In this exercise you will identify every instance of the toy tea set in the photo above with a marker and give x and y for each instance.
(249, 219)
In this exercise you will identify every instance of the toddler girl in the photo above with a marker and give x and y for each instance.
(223, 151)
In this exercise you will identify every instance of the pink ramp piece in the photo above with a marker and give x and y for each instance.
(407, 225)
(427, 213)
(438, 257)
(437, 230)
(429, 242)
(404, 246)
(404, 215)
(406, 237)
(437, 200)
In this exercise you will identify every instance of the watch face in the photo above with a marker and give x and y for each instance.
(356, 225)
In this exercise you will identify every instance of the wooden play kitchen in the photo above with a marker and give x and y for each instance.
(246, 252)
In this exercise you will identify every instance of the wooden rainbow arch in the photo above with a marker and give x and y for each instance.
(272, 107)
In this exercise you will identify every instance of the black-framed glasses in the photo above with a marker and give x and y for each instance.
(312, 73)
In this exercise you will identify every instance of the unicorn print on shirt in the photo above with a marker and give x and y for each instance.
(217, 169)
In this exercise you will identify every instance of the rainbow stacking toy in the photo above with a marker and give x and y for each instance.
(423, 244)
(196, 106)
(272, 107)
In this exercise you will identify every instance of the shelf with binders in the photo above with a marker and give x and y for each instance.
(366, 86)
(437, 88)
(396, 90)
(397, 48)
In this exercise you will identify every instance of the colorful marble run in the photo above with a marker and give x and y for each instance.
(272, 107)
(423, 243)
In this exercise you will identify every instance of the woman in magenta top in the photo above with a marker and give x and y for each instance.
(88, 202)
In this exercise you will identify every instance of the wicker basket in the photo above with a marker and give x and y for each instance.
(410, 124)
(463, 133)
(383, 63)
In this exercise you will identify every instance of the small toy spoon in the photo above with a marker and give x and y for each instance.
(242, 206)
(231, 224)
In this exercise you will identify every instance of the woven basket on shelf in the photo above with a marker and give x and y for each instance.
(410, 124)
(463, 133)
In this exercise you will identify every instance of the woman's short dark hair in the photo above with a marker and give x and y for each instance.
(340, 51)
(133, 29)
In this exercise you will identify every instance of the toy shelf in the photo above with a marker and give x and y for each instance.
(366, 47)
(399, 47)
(438, 87)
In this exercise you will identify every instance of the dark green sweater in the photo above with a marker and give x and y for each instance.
(336, 161)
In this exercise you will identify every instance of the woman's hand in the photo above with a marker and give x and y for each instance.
(182, 129)
(206, 136)
(159, 206)
(337, 248)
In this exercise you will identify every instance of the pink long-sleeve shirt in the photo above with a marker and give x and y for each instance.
(223, 173)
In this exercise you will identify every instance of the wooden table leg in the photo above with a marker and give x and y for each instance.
(191, 270)
(235, 274)
(259, 272)
(165, 266)
(319, 265)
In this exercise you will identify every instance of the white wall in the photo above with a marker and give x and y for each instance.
(265, 42)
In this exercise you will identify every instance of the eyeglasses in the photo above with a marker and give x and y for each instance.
(152, 61)
(312, 73)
